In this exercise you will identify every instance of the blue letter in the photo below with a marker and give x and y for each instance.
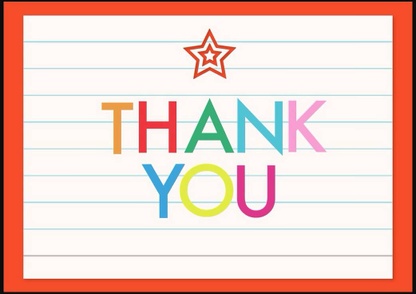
(163, 189)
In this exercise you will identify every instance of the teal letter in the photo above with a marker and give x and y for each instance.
(243, 112)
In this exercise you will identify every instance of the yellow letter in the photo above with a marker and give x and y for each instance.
(228, 190)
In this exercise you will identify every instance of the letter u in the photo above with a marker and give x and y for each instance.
(271, 190)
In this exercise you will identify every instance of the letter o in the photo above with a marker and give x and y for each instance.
(228, 190)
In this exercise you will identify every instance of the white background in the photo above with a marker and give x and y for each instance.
(91, 214)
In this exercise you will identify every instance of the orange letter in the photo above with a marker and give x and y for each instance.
(117, 108)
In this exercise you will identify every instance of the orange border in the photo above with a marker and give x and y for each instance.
(13, 142)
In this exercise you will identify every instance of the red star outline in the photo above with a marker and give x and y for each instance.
(203, 53)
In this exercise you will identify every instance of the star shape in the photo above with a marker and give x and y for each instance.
(209, 56)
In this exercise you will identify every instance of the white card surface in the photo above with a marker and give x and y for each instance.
(90, 213)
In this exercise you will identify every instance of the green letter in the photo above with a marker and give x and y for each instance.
(209, 112)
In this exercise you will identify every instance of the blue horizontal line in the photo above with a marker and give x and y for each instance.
(207, 229)
(209, 95)
(192, 68)
(206, 175)
(199, 41)
(135, 148)
(180, 202)
(194, 122)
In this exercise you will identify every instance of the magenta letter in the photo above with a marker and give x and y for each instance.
(241, 198)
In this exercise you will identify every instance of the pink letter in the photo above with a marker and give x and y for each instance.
(299, 124)
(241, 198)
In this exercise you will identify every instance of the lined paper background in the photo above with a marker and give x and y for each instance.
(91, 214)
